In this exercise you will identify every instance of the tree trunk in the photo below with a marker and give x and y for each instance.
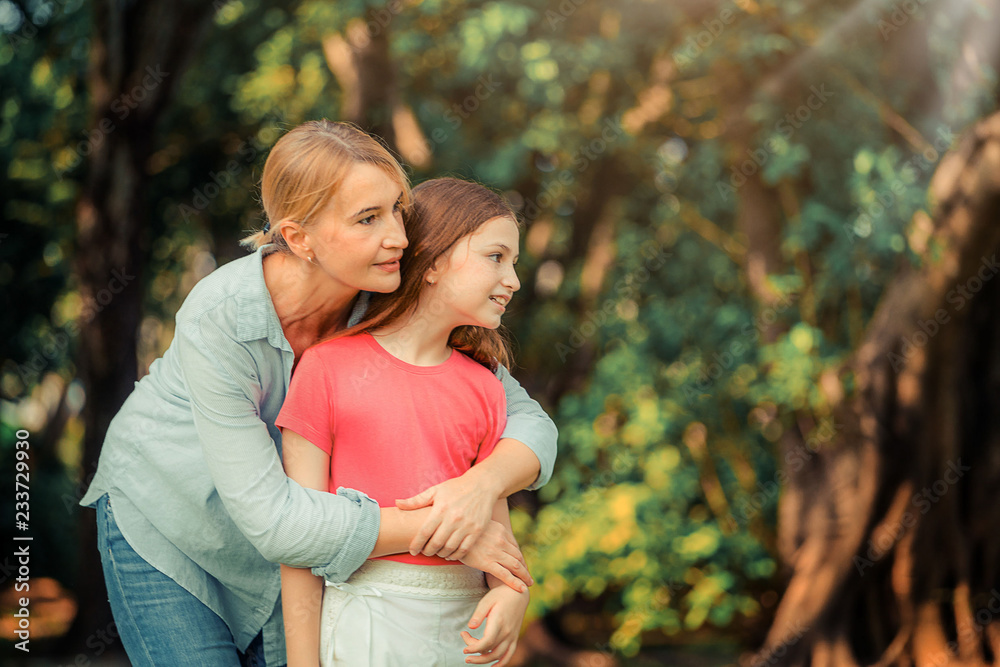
(361, 63)
(137, 54)
(890, 527)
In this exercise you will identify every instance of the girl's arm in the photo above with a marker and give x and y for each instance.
(502, 609)
(301, 590)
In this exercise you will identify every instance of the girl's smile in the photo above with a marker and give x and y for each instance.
(477, 279)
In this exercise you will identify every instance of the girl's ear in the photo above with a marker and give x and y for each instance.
(433, 274)
(438, 268)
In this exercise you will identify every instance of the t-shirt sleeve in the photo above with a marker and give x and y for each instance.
(308, 408)
(497, 410)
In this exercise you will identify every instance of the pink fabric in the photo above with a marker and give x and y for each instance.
(393, 429)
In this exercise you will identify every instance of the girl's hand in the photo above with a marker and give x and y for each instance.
(503, 610)
(497, 553)
(461, 512)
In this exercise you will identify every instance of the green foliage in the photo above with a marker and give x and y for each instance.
(626, 132)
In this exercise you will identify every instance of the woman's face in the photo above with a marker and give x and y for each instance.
(359, 237)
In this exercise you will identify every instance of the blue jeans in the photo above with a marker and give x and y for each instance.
(160, 623)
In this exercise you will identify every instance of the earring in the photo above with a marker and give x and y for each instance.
(430, 281)
(312, 259)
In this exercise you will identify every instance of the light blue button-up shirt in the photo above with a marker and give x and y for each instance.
(192, 461)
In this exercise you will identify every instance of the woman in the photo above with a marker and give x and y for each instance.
(194, 508)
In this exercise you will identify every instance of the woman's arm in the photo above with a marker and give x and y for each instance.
(495, 553)
(523, 458)
(301, 590)
(462, 506)
(285, 522)
(528, 424)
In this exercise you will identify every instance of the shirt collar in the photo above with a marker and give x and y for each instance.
(255, 314)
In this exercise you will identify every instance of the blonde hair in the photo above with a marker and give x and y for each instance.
(305, 169)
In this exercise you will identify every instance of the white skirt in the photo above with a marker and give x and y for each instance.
(391, 614)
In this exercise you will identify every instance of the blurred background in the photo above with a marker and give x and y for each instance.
(758, 290)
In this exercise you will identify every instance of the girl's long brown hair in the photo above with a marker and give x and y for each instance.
(443, 211)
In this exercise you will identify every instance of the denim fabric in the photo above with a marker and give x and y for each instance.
(159, 622)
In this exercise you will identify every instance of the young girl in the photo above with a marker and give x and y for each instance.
(421, 366)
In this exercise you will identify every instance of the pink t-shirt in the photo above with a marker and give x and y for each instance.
(393, 429)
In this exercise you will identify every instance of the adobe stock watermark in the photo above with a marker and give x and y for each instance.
(958, 297)
(379, 20)
(122, 107)
(900, 15)
(923, 500)
(786, 126)
(981, 619)
(696, 43)
(459, 112)
(654, 257)
(971, 631)
(559, 15)
(584, 155)
(771, 655)
(56, 344)
(140, 426)
(795, 460)
(71, 500)
(910, 170)
(722, 363)
(29, 30)
(202, 196)
(657, 602)
(624, 461)
(98, 642)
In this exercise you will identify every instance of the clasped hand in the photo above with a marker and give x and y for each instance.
(460, 528)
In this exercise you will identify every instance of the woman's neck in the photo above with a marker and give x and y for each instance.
(310, 306)
(419, 338)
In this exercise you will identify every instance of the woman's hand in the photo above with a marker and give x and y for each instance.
(496, 552)
(460, 513)
(503, 610)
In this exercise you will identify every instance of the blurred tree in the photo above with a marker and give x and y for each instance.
(137, 53)
(889, 527)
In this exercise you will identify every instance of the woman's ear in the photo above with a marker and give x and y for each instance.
(296, 238)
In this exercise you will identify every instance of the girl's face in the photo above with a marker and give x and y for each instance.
(476, 278)
(359, 237)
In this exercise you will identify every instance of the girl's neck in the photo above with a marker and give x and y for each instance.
(308, 307)
(419, 338)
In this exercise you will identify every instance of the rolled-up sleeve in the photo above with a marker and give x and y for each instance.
(331, 533)
(528, 423)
